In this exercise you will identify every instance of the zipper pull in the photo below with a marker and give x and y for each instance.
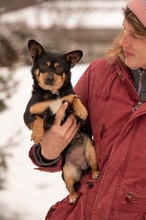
(137, 106)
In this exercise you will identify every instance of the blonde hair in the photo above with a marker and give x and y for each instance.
(117, 50)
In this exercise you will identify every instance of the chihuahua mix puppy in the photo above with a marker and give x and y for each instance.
(51, 87)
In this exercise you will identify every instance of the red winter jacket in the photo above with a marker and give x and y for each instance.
(119, 131)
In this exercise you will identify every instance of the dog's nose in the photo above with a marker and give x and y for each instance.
(50, 78)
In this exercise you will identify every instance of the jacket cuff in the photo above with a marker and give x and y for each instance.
(41, 160)
(55, 167)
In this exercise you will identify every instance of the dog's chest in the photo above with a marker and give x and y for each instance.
(55, 105)
(51, 108)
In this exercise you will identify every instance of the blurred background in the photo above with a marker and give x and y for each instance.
(59, 25)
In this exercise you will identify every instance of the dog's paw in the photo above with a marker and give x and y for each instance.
(73, 198)
(95, 174)
(37, 136)
(79, 109)
(81, 112)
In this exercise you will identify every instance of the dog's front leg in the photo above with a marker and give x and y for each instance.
(40, 107)
(37, 130)
(68, 98)
(79, 108)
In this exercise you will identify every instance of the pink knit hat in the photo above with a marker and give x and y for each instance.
(138, 7)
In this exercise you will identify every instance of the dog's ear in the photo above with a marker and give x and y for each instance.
(35, 49)
(74, 57)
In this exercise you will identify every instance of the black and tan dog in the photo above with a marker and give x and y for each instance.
(52, 86)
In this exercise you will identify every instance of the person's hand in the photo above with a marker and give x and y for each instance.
(57, 137)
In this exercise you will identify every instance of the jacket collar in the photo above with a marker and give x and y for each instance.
(139, 80)
(124, 75)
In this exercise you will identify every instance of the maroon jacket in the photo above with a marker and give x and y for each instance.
(119, 130)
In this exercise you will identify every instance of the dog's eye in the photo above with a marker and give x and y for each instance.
(59, 69)
(43, 67)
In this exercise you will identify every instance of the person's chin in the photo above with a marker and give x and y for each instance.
(130, 63)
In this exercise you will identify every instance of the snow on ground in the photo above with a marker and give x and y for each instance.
(29, 193)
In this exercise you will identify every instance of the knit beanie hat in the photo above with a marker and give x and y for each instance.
(138, 7)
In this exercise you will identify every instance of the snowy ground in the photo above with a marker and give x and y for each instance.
(29, 193)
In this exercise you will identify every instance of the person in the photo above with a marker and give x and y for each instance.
(113, 90)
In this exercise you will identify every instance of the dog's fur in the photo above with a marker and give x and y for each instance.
(52, 86)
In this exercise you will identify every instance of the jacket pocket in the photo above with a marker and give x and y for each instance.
(134, 196)
(134, 202)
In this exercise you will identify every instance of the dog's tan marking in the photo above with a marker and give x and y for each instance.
(37, 72)
(40, 107)
(91, 157)
(79, 108)
(59, 79)
(56, 65)
(58, 82)
(37, 130)
(48, 63)
(41, 80)
(42, 77)
(64, 76)
(68, 98)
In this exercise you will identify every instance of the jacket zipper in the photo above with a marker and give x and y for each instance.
(139, 88)
(140, 81)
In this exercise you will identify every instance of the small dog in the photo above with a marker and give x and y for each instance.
(52, 86)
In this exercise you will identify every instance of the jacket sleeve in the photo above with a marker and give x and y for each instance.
(44, 165)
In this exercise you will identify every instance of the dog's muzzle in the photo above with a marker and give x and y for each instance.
(50, 79)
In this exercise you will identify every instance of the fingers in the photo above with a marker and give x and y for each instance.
(71, 127)
(60, 113)
(70, 123)
(71, 120)
(59, 136)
